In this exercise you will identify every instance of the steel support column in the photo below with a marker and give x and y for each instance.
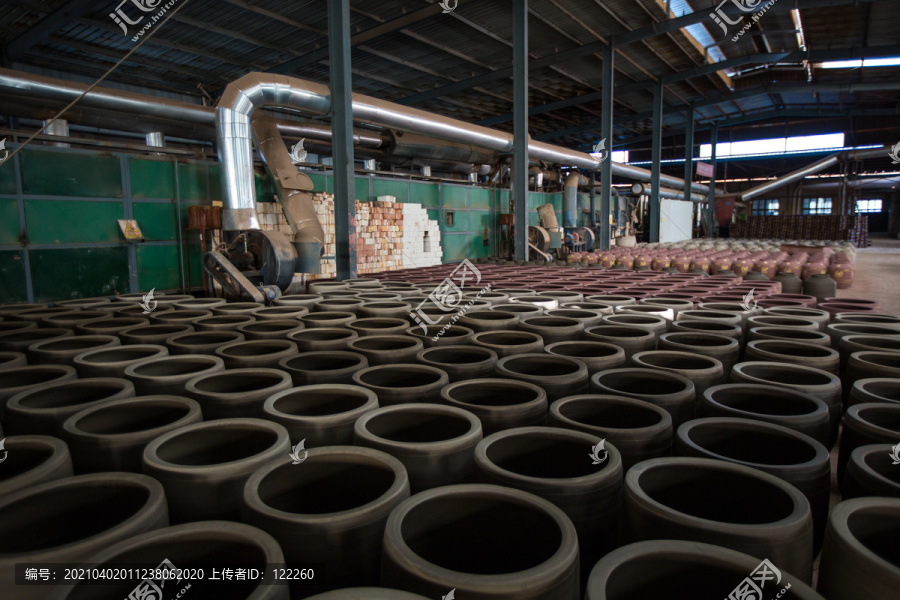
(520, 127)
(606, 130)
(711, 216)
(592, 219)
(342, 138)
(653, 219)
(689, 145)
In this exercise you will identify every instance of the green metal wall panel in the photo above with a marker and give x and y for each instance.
(318, 181)
(426, 194)
(398, 189)
(78, 273)
(455, 196)
(455, 247)
(555, 199)
(8, 177)
(265, 188)
(479, 198)
(460, 221)
(192, 181)
(434, 215)
(151, 178)
(12, 274)
(194, 266)
(215, 184)
(158, 221)
(68, 174)
(477, 249)
(362, 189)
(69, 221)
(9, 222)
(478, 219)
(158, 267)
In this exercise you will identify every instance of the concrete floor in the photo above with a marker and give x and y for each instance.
(877, 274)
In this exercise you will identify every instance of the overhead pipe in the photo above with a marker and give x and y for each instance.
(643, 189)
(570, 198)
(819, 165)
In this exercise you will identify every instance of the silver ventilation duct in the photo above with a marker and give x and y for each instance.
(819, 165)
(643, 189)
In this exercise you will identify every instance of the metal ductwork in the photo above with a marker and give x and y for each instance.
(819, 165)
(570, 198)
(294, 190)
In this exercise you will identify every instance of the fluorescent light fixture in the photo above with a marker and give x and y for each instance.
(892, 61)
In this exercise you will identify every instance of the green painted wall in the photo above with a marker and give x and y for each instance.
(66, 204)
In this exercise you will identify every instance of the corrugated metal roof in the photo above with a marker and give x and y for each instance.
(211, 43)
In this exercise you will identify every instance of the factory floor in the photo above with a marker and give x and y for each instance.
(877, 274)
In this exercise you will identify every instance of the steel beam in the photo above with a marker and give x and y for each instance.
(606, 132)
(520, 127)
(653, 218)
(342, 138)
(689, 146)
(47, 26)
(711, 211)
(654, 30)
(290, 66)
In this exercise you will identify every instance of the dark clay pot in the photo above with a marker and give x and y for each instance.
(236, 393)
(273, 329)
(387, 349)
(204, 342)
(631, 339)
(741, 508)
(704, 371)
(638, 429)
(112, 436)
(724, 349)
(337, 532)
(64, 350)
(771, 404)
(110, 326)
(435, 443)
(670, 391)
(112, 362)
(168, 375)
(799, 353)
(322, 338)
(866, 424)
(506, 343)
(460, 362)
(204, 466)
(402, 383)
(312, 368)
(550, 462)
(153, 334)
(499, 403)
(99, 510)
(16, 381)
(875, 390)
(597, 356)
(32, 460)
(703, 571)
(470, 538)
(42, 409)
(796, 458)
(871, 471)
(259, 354)
(859, 558)
(322, 414)
(440, 335)
(559, 375)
